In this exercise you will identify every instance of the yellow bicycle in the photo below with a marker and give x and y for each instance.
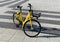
(31, 27)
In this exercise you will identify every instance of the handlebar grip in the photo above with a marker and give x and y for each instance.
(29, 4)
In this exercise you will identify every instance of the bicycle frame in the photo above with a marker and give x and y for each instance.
(28, 17)
(26, 24)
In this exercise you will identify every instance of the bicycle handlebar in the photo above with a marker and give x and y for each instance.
(30, 6)
(20, 7)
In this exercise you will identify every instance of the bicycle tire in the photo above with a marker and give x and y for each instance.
(37, 32)
(17, 24)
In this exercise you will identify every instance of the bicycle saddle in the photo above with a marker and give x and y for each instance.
(19, 6)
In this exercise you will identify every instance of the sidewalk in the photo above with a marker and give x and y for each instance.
(50, 22)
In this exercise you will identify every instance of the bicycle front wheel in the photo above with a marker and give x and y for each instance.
(34, 31)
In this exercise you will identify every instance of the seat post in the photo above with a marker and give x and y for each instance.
(20, 9)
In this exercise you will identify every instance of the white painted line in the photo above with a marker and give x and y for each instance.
(7, 2)
(7, 14)
(51, 14)
(15, 3)
(6, 20)
(50, 25)
(49, 18)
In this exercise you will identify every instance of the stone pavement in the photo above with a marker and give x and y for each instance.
(50, 22)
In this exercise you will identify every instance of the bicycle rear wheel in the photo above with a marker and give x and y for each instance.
(15, 21)
(34, 31)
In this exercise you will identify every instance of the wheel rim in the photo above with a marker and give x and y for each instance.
(32, 32)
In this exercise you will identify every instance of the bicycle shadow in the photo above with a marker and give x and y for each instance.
(52, 31)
